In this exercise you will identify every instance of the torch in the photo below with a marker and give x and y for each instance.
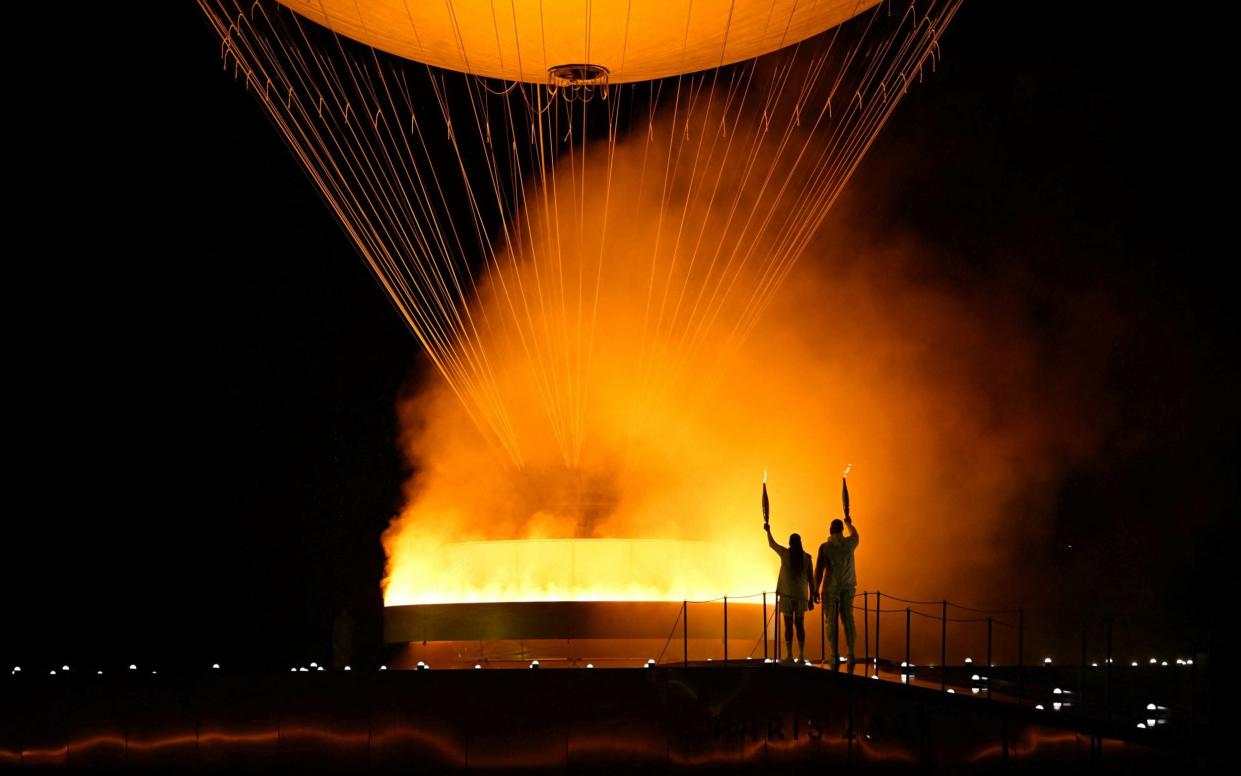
(844, 490)
(766, 503)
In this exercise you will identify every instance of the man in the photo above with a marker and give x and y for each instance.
(835, 576)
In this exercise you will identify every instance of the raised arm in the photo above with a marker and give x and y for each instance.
(771, 542)
(853, 534)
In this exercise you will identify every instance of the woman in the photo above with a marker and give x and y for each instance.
(794, 590)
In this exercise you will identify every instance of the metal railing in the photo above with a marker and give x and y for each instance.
(1061, 686)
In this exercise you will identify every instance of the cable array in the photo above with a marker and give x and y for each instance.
(490, 213)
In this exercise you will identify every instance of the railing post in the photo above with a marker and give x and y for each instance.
(1193, 681)
(764, 625)
(725, 629)
(988, 658)
(907, 672)
(822, 632)
(1021, 663)
(878, 617)
(865, 623)
(943, 649)
(775, 620)
(1081, 691)
(1107, 678)
(685, 632)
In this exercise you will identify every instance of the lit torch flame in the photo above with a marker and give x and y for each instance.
(766, 503)
(844, 490)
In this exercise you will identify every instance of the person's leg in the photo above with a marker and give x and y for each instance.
(830, 602)
(801, 635)
(788, 637)
(846, 614)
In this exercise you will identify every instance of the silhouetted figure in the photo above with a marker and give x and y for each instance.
(834, 574)
(794, 589)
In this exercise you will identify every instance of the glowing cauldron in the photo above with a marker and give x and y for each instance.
(570, 601)
(575, 570)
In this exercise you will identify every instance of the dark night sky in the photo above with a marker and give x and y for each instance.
(202, 375)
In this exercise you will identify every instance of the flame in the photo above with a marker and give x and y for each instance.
(848, 469)
(764, 476)
(581, 570)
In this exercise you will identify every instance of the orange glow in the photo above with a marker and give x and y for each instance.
(220, 737)
(51, 756)
(327, 735)
(1026, 744)
(163, 742)
(97, 741)
(393, 736)
(655, 434)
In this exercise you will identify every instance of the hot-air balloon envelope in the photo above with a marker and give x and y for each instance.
(631, 40)
(582, 267)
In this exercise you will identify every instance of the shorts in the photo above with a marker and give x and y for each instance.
(790, 605)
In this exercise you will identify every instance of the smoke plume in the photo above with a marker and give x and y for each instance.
(652, 412)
